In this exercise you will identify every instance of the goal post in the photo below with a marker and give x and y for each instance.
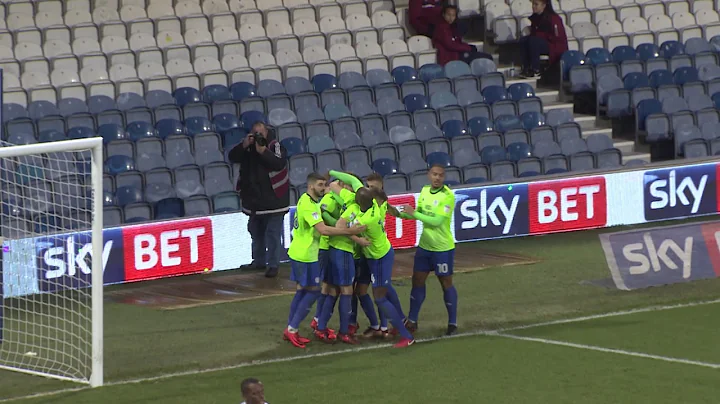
(51, 272)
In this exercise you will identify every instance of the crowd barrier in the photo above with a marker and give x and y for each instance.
(221, 242)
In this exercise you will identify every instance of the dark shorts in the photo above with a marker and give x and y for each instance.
(440, 262)
(363, 271)
(306, 274)
(381, 270)
(342, 266)
(324, 261)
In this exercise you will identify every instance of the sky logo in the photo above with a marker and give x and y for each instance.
(679, 192)
(488, 212)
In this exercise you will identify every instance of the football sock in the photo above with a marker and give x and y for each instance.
(320, 303)
(327, 312)
(369, 309)
(383, 320)
(393, 298)
(354, 307)
(344, 309)
(304, 307)
(394, 316)
(451, 302)
(417, 297)
(299, 294)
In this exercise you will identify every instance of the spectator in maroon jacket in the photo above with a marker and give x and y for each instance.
(547, 37)
(424, 15)
(448, 41)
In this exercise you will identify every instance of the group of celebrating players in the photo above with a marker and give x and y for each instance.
(340, 248)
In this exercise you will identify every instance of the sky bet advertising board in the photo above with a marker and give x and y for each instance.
(222, 242)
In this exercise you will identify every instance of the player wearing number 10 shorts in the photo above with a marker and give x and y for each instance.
(436, 250)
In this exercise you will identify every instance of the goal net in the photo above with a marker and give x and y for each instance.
(51, 281)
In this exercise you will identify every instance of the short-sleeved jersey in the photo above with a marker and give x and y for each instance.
(330, 205)
(374, 219)
(440, 202)
(344, 242)
(306, 240)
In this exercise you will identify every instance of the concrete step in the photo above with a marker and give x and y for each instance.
(635, 156)
(626, 147)
(548, 96)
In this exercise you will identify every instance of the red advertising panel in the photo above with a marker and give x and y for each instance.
(711, 234)
(168, 249)
(571, 204)
(401, 233)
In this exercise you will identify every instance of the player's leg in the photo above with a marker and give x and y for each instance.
(324, 260)
(382, 277)
(361, 291)
(422, 266)
(307, 276)
(346, 278)
(323, 332)
(444, 265)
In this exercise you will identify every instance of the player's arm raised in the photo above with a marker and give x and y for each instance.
(348, 179)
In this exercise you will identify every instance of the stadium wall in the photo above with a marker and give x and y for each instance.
(221, 242)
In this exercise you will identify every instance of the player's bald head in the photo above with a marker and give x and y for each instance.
(364, 198)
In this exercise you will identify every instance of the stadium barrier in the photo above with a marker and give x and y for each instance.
(221, 242)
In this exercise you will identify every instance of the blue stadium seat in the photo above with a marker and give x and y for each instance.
(362, 108)
(322, 82)
(532, 119)
(249, 118)
(51, 135)
(215, 92)
(140, 130)
(457, 68)
(623, 53)
(385, 167)
(70, 106)
(346, 140)
(226, 122)
(568, 60)
(518, 151)
(685, 74)
(169, 208)
(11, 111)
(694, 46)
(348, 80)
(110, 132)
(636, 80)
(402, 74)
(378, 77)
(442, 99)
(127, 195)
(492, 154)
(520, 91)
(158, 98)
(186, 95)
(489, 139)
(468, 96)
(41, 109)
(414, 102)
(226, 202)
(128, 101)
(431, 71)
(453, 128)
(309, 113)
(440, 158)
(493, 94)
(168, 126)
(388, 105)
(480, 125)
(242, 90)
(297, 85)
(647, 51)
(481, 67)
(293, 146)
(504, 123)
(334, 112)
(119, 164)
(197, 125)
(596, 56)
(80, 132)
(668, 49)
(268, 87)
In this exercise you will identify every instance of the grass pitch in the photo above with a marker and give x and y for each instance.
(667, 356)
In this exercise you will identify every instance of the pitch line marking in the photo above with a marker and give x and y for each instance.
(611, 350)
(498, 333)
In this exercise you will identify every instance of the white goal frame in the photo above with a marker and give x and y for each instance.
(96, 146)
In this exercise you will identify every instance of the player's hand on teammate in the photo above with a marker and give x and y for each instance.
(357, 229)
(362, 242)
(409, 209)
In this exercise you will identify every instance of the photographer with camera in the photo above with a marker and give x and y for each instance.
(264, 187)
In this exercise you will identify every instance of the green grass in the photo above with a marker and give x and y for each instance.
(142, 342)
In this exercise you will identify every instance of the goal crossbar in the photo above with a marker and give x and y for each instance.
(95, 145)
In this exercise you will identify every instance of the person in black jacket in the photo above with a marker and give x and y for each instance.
(264, 187)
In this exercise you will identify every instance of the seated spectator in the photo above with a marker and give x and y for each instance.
(424, 15)
(547, 37)
(448, 41)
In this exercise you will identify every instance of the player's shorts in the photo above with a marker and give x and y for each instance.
(363, 271)
(381, 270)
(324, 261)
(342, 266)
(440, 262)
(306, 274)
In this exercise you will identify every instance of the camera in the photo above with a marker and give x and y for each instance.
(259, 139)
